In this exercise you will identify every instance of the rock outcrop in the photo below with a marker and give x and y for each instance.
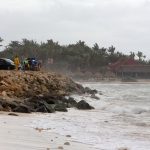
(26, 84)
(38, 92)
(84, 105)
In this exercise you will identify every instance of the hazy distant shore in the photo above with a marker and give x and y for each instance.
(112, 80)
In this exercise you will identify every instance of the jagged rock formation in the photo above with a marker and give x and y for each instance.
(26, 84)
(37, 92)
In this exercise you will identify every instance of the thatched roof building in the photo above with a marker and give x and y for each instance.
(130, 67)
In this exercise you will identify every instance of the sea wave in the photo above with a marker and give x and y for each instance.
(120, 118)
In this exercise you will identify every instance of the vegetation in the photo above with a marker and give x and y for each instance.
(73, 57)
(1, 40)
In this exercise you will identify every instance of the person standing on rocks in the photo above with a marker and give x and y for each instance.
(26, 64)
(17, 62)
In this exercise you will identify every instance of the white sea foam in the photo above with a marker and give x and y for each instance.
(121, 118)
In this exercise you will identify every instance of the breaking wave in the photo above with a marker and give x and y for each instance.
(120, 118)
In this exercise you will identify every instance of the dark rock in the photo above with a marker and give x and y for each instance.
(95, 97)
(60, 147)
(12, 104)
(45, 107)
(66, 143)
(73, 87)
(60, 107)
(123, 148)
(80, 89)
(6, 105)
(33, 106)
(33, 99)
(100, 93)
(106, 121)
(42, 109)
(50, 108)
(51, 101)
(33, 102)
(68, 135)
(68, 105)
(22, 109)
(84, 105)
(72, 102)
(47, 98)
(89, 91)
(1, 107)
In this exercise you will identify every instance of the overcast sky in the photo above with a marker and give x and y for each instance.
(122, 23)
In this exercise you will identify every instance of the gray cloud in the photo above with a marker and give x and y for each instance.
(123, 23)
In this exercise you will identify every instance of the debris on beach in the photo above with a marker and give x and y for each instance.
(67, 143)
(13, 114)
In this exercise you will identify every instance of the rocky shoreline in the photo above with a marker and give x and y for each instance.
(27, 92)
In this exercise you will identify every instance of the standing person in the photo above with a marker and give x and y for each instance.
(25, 64)
(16, 62)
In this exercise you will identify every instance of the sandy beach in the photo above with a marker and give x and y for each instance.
(120, 121)
(16, 135)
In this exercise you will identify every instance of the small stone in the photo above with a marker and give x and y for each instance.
(44, 89)
(106, 121)
(68, 135)
(123, 148)
(66, 143)
(13, 114)
(39, 129)
(4, 83)
(4, 93)
(95, 97)
(60, 147)
(1, 108)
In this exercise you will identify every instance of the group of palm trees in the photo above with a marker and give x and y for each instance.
(72, 56)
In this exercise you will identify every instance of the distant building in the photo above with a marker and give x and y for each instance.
(50, 61)
(130, 67)
(115, 67)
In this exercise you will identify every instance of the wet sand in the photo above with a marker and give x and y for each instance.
(15, 134)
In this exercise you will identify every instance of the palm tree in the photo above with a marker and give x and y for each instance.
(1, 40)
(140, 55)
(95, 46)
(111, 50)
(132, 55)
(14, 44)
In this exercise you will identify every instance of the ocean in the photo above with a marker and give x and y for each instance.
(121, 118)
